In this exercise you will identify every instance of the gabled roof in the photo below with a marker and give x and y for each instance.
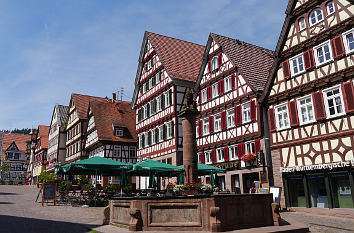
(82, 102)
(43, 132)
(252, 61)
(181, 59)
(61, 112)
(18, 139)
(108, 115)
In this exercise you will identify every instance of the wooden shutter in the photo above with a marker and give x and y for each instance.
(170, 95)
(238, 118)
(271, 119)
(309, 59)
(294, 119)
(221, 86)
(209, 66)
(320, 112)
(164, 131)
(233, 81)
(200, 128)
(209, 90)
(213, 156)
(219, 59)
(172, 129)
(253, 110)
(211, 124)
(241, 150)
(200, 97)
(226, 153)
(286, 69)
(157, 134)
(223, 120)
(257, 145)
(163, 101)
(202, 157)
(348, 96)
(337, 46)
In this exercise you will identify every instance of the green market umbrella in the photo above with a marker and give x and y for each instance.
(204, 169)
(149, 167)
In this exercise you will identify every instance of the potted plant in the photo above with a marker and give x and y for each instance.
(206, 189)
(109, 189)
(128, 189)
(74, 185)
(20, 182)
(11, 182)
(2, 182)
(249, 158)
(90, 188)
(82, 182)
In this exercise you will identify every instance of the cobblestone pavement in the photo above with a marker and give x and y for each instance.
(320, 223)
(19, 213)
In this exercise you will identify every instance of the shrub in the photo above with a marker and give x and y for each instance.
(2, 182)
(48, 177)
(11, 182)
(20, 182)
(82, 180)
(109, 188)
(62, 186)
(90, 187)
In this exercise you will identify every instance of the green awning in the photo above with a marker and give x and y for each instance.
(149, 167)
(204, 169)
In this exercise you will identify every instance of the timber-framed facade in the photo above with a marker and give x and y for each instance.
(311, 103)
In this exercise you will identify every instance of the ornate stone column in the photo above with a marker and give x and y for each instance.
(189, 113)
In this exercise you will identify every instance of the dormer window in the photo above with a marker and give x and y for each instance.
(316, 16)
(118, 132)
(302, 24)
(330, 8)
(214, 63)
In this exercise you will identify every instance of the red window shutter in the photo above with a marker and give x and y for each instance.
(286, 69)
(337, 46)
(257, 145)
(200, 97)
(219, 59)
(223, 120)
(271, 119)
(209, 92)
(226, 153)
(309, 59)
(294, 119)
(320, 112)
(200, 128)
(221, 86)
(209, 66)
(233, 81)
(348, 96)
(238, 117)
(211, 124)
(202, 157)
(253, 110)
(213, 156)
(241, 150)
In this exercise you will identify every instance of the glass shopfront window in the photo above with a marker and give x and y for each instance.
(296, 191)
(317, 191)
(341, 190)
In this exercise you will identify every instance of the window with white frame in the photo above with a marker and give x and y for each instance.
(159, 106)
(297, 65)
(170, 130)
(197, 129)
(161, 133)
(217, 123)
(333, 101)
(323, 53)
(214, 63)
(282, 116)
(205, 126)
(316, 16)
(250, 147)
(151, 83)
(305, 109)
(145, 111)
(233, 152)
(302, 23)
(118, 132)
(207, 155)
(220, 155)
(227, 84)
(246, 112)
(214, 90)
(144, 88)
(230, 118)
(153, 137)
(348, 40)
(158, 77)
(204, 96)
(167, 99)
(146, 139)
(330, 8)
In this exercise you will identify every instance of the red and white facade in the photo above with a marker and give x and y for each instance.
(159, 94)
(311, 105)
(230, 122)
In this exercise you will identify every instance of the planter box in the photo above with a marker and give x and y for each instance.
(189, 192)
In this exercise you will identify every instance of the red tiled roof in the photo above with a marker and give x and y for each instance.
(181, 59)
(253, 61)
(82, 103)
(108, 115)
(43, 132)
(19, 139)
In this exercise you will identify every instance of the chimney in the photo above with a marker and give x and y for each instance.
(114, 97)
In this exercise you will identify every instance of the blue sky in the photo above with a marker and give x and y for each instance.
(50, 49)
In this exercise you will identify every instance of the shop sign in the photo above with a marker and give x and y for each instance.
(326, 166)
(229, 165)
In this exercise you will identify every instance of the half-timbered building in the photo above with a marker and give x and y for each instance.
(311, 104)
(76, 125)
(57, 138)
(40, 149)
(167, 68)
(231, 80)
(13, 156)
